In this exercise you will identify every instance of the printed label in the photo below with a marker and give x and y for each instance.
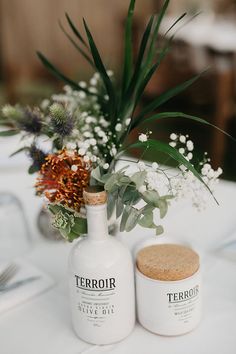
(95, 298)
(182, 304)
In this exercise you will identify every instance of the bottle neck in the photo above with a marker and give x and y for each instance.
(97, 222)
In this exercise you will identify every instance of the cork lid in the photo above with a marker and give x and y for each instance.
(167, 262)
(94, 195)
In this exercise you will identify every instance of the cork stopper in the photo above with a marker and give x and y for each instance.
(167, 262)
(94, 195)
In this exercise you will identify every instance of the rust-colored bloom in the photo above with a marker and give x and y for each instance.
(63, 177)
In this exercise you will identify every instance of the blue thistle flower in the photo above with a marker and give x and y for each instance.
(61, 120)
(31, 121)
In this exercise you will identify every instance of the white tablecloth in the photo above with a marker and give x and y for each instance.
(43, 326)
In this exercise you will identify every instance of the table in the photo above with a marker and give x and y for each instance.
(43, 324)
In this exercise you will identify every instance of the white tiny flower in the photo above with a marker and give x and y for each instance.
(71, 146)
(105, 139)
(172, 144)
(87, 134)
(86, 158)
(90, 119)
(211, 173)
(106, 166)
(96, 107)
(182, 139)
(74, 168)
(82, 151)
(142, 137)
(207, 166)
(142, 189)
(96, 129)
(81, 94)
(113, 151)
(190, 156)
(45, 103)
(190, 145)
(141, 165)
(182, 168)
(173, 136)
(101, 133)
(93, 81)
(93, 158)
(83, 84)
(93, 90)
(96, 76)
(128, 120)
(106, 97)
(110, 73)
(155, 165)
(118, 127)
(93, 141)
(219, 171)
(84, 114)
(182, 151)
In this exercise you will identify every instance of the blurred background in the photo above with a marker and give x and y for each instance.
(208, 41)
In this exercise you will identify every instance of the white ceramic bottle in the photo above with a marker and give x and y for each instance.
(101, 279)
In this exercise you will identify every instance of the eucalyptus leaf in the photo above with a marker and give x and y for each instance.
(111, 183)
(132, 220)
(131, 195)
(151, 197)
(147, 220)
(119, 206)
(124, 217)
(138, 178)
(111, 203)
(96, 174)
(163, 206)
(159, 230)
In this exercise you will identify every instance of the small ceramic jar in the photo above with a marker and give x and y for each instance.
(168, 289)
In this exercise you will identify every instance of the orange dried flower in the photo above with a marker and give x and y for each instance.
(63, 177)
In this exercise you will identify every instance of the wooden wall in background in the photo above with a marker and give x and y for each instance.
(30, 25)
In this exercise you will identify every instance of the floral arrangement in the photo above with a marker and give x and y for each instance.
(87, 129)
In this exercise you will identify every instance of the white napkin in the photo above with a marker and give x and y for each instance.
(26, 291)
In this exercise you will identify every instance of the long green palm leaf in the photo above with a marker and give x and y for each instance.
(172, 152)
(137, 71)
(101, 69)
(152, 48)
(75, 30)
(166, 115)
(56, 72)
(167, 95)
(80, 50)
(128, 48)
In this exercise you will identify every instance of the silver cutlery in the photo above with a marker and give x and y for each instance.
(7, 274)
(17, 284)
